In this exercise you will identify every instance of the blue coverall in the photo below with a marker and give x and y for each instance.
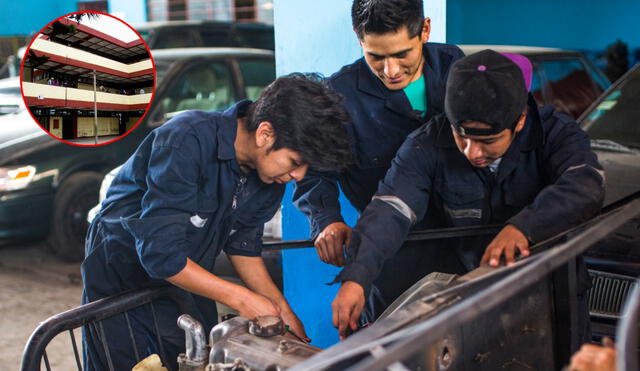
(381, 120)
(548, 181)
(180, 195)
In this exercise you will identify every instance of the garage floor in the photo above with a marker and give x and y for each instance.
(34, 286)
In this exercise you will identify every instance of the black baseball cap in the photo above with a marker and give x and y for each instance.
(487, 87)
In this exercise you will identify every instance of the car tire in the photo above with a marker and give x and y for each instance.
(76, 195)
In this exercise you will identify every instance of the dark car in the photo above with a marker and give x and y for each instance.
(47, 187)
(613, 123)
(566, 79)
(182, 34)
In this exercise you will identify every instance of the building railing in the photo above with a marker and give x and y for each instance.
(60, 96)
(87, 60)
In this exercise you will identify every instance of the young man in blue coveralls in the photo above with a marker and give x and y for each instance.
(397, 86)
(495, 157)
(203, 183)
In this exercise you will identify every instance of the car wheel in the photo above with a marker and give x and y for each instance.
(74, 198)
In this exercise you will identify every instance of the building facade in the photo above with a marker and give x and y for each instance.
(248, 11)
(58, 81)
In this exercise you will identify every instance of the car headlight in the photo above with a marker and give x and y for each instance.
(14, 178)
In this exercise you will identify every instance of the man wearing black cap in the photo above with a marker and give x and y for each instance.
(495, 157)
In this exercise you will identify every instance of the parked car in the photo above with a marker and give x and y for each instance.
(47, 187)
(11, 67)
(613, 123)
(566, 79)
(182, 34)
(10, 97)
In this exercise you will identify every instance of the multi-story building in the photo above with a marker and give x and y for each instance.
(246, 11)
(58, 81)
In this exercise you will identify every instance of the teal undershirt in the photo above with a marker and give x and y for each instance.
(416, 92)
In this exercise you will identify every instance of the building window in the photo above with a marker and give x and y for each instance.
(245, 11)
(96, 6)
(177, 10)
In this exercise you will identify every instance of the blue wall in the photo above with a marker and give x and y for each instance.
(570, 24)
(132, 12)
(27, 17)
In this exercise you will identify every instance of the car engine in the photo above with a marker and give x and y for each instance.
(240, 344)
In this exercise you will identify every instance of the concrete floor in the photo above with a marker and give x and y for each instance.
(90, 141)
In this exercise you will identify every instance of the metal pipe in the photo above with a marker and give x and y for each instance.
(95, 109)
(194, 337)
(420, 235)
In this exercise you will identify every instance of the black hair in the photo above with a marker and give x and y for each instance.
(307, 118)
(382, 16)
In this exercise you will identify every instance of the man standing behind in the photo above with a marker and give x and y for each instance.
(397, 86)
(493, 158)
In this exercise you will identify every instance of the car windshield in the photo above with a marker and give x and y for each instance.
(162, 66)
(614, 124)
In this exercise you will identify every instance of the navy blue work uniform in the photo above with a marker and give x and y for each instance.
(381, 120)
(548, 181)
(181, 195)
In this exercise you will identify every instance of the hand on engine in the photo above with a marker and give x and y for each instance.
(506, 242)
(347, 307)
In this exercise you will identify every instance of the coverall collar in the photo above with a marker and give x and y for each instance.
(227, 131)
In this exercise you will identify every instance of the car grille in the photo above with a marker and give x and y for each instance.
(608, 293)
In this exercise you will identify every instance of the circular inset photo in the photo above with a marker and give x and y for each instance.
(87, 78)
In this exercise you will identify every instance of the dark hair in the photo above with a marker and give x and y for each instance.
(307, 117)
(382, 16)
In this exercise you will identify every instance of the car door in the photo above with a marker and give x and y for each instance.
(204, 84)
(613, 125)
(254, 75)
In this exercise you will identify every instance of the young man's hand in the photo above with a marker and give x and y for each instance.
(593, 357)
(347, 307)
(254, 305)
(330, 241)
(506, 242)
(295, 325)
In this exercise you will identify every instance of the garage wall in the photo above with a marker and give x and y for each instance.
(577, 24)
(27, 18)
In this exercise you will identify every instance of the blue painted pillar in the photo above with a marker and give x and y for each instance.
(314, 36)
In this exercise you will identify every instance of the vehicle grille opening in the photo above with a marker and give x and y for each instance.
(608, 293)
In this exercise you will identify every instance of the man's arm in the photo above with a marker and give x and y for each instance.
(574, 195)
(244, 249)
(199, 281)
(316, 196)
(254, 274)
(401, 200)
(575, 190)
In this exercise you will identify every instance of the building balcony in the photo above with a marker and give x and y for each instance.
(65, 55)
(59, 96)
